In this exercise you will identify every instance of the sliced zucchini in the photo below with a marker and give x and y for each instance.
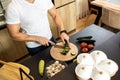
(73, 53)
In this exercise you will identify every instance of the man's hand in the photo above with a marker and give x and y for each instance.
(58, 21)
(43, 41)
(64, 37)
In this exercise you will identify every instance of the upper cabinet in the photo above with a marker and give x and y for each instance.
(68, 14)
(59, 3)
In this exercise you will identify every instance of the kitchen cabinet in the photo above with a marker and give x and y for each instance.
(111, 18)
(68, 16)
(1, 52)
(10, 50)
(67, 11)
(53, 27)
(59, 3)
(110, 12)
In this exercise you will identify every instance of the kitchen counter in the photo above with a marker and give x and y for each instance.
(99, 34)
(110, 12)
(111, 47)
(113, 5)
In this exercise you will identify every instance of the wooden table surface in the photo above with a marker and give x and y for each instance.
(108, 4)
(99, 34)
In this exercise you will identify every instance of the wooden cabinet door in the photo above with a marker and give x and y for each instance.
(111, 18)
(2, 57)
(59, 3)
(53, 27)
(10, 49)
(68, 15)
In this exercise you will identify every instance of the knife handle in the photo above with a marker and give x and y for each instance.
(66, 43)
(52, 43)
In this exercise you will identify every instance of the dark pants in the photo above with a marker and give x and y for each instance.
(33, 51)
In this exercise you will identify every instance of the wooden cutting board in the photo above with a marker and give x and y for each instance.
(10, 71)
(55, 52)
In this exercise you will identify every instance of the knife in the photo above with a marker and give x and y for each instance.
(66, 44)
(57, 45)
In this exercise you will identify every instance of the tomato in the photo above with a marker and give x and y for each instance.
(84, 50)
(90, 46)
(83, 45)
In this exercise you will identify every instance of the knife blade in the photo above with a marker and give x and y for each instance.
(57, 45)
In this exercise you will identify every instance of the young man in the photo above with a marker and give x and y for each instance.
(27, 21)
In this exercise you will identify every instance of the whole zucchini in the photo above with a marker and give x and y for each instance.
(89, 41)
(84, 37)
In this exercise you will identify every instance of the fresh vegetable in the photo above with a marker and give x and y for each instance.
(73, 53)
(65, 50)
(86, 43)
(84, 37)
(41, 67)
(90, 46)
(54, 68)
(83, 44)
(89, 41)
(84, 50)
(75, 60)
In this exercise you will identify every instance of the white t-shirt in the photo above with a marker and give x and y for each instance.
(32, 17)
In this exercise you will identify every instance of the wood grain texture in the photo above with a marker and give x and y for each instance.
(55, 52)
(107, 5)
(68, 15)
(11, 50)
(10, 71)
(59, 3)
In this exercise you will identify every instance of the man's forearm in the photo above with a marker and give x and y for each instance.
(59, 22)
(31, 38)
(24, 37)
(57, 19)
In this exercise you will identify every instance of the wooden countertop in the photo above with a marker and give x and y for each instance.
(108, 4)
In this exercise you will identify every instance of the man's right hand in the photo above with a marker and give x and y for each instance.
(43, 41)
